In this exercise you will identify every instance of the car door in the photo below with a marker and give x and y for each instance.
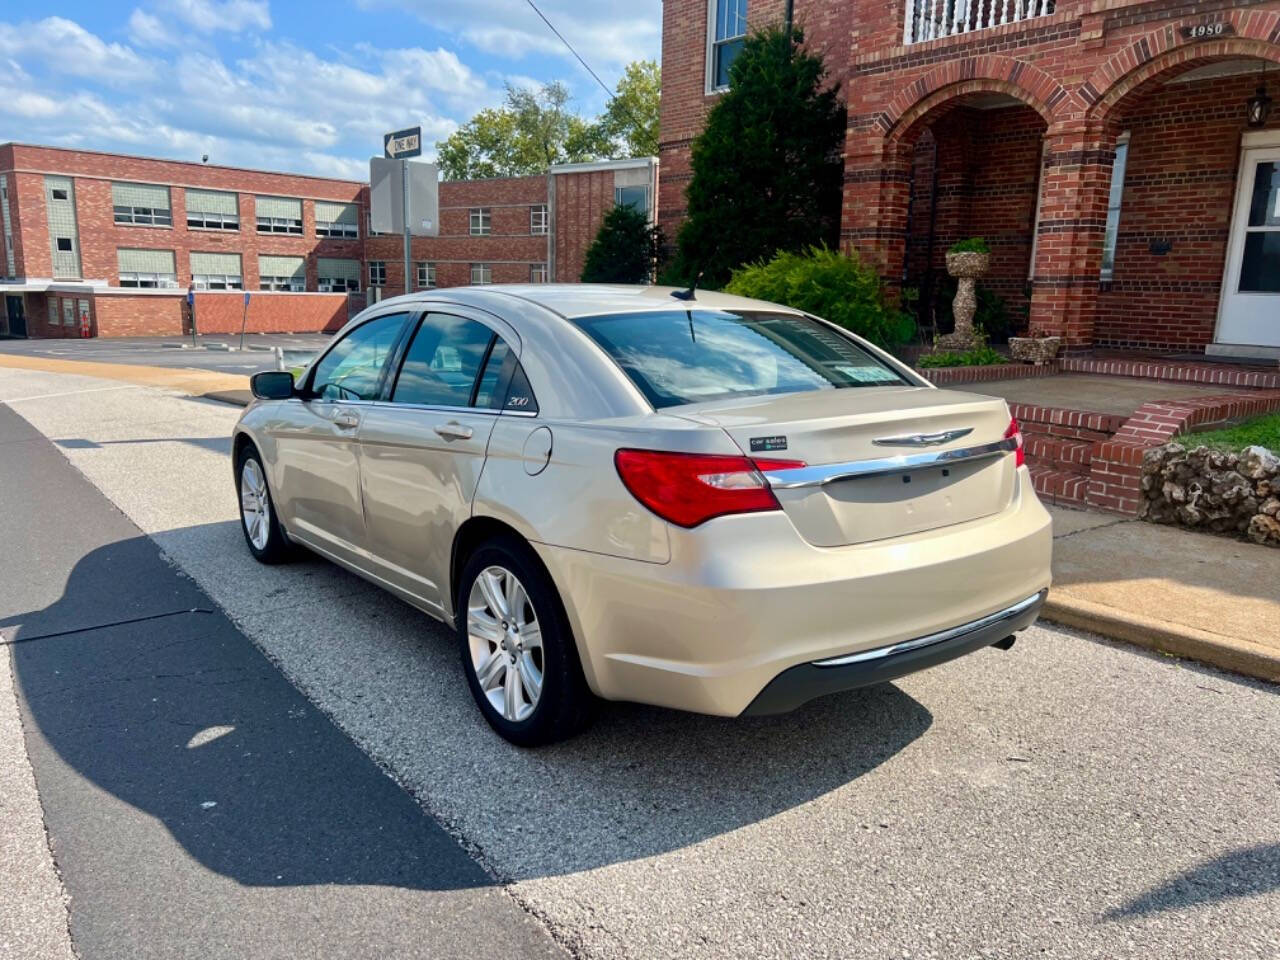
(422, 451)
(317, 463)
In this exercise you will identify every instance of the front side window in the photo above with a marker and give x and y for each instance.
(377, 273)
(481, 273)
(480, 221)
(443, 362)
(353, 368)
(728, 30)
(1113, 207)
(538, 220)
(678, 357)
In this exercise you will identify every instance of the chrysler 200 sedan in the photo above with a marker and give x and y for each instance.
(713, 504)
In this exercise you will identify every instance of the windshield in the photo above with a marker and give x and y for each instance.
(690, 356)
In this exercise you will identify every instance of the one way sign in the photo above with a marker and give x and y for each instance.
(403, 143)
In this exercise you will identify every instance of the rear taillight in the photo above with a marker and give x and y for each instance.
(1015, 433)
(690, 488)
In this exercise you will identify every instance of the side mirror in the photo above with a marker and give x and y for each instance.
(272, 385)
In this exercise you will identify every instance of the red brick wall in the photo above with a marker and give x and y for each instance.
(509, 248)
(582, 200)
(1179, 187)
(1081, 69)
(222, 312)
(138, 316)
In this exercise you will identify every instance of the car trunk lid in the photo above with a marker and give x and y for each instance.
(881, 462)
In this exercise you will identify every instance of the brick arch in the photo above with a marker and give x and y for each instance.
(1257, 35)
(986, 74)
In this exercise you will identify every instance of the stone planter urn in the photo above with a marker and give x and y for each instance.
(1037, 350)
(966, 268)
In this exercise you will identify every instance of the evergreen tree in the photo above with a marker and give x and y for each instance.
(624, 251)
(767, 168)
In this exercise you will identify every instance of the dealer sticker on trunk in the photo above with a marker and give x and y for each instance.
(761, 444)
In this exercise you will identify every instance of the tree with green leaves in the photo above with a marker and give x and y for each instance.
(534, 129)
(530, 131)
(625, 250)
(630, 122)
(767, 167)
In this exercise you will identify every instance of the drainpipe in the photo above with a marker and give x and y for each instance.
(789, 16)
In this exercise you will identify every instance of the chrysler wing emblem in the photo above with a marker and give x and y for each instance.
(923, 439)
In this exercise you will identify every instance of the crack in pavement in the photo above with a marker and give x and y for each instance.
(14, 641)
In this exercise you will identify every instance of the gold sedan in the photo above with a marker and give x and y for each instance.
(718, 505)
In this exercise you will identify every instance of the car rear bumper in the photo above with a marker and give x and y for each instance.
(799, 684)
(744, 600)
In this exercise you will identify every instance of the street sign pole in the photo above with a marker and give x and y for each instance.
(244, 320)
(404, 178)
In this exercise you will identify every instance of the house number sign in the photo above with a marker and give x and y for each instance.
(1206, 31)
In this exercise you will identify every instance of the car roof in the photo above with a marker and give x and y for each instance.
(571, 300)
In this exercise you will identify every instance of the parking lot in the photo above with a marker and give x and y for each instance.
(1067, 798)
(217, 353)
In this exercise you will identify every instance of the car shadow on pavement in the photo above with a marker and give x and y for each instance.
(1240, 873)
(135, 682)
(205, 725)
(215, 444)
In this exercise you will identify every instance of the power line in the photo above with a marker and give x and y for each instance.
(552, 27)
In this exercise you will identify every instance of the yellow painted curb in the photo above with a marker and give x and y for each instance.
(184, 380)
(1228, 653)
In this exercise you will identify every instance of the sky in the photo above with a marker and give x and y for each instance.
(307, 87)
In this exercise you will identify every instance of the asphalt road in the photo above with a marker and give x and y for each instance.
(1068, 798)
(196, 803)
(174, 352)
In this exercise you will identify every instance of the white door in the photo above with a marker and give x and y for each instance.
(1250, 311)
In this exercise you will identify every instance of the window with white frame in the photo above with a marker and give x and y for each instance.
(212, 210)
(282, 273)
(481, 273)
(1113, 206)
(537, 273)
(143, 204)
(726, 31)
(216, 271)
(377, 273)
(337, 276)
(278, 215)
(147, 268)
(426, 275)
(538, 220)
(480, 221)
(337, 219)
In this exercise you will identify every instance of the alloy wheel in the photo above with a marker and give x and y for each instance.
(505, 642)
(255, 506)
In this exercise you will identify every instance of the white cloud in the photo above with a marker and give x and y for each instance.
(235, 16)
(148, 30)
(281, 106)
(65, 47)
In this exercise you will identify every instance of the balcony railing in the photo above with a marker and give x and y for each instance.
(931, 19)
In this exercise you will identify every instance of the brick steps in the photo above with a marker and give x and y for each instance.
(1060, 487)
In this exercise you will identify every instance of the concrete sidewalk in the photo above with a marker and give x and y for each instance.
(227, 387)
(1209, 598)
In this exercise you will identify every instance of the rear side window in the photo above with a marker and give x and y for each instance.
(352, 370)
(689, 356)
(443, 361)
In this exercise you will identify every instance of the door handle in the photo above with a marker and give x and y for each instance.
(346, 421)
(453, 431)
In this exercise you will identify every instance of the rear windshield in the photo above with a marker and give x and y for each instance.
(690, 356)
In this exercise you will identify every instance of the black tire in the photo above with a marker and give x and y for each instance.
(566, 704)
(277, 548)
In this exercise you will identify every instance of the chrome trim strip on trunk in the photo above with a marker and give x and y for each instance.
(817, 476)
(941, 637)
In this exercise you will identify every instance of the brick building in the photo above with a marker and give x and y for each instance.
(119, 240)
(1102, 147)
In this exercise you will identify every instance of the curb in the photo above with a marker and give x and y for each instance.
(1226, 653)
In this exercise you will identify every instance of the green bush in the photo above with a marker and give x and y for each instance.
(972, 245)
(983, 356)
(625, 250)
(827, 284)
